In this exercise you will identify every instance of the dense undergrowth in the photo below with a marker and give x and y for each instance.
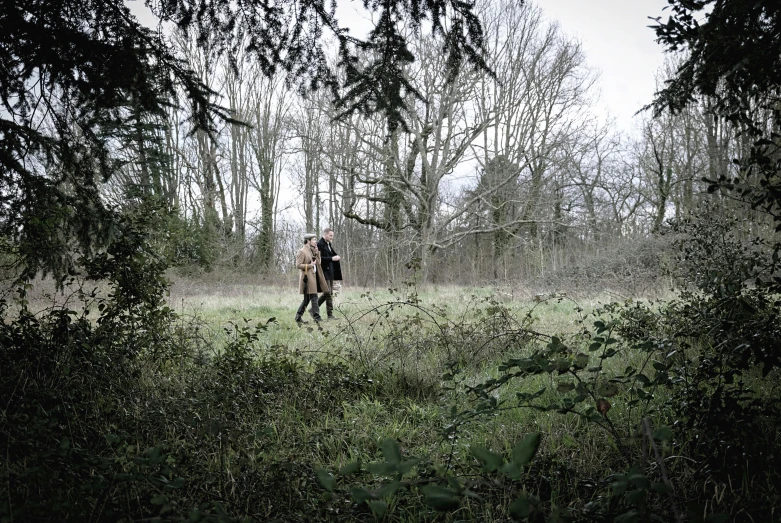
(122, 410)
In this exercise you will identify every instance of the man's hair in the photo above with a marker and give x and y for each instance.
(327, 230)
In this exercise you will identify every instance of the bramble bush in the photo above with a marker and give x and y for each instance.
(122, 410)
(685, 391)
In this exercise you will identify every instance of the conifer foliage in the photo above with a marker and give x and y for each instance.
(733, 62)
(77, 76)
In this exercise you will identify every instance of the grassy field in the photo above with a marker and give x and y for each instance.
(418, 403)
(219, 304)
(399, 343)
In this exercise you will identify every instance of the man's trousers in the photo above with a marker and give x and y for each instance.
(328, 298)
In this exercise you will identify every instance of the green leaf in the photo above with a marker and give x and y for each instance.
(391, 451)
(388, 490)
(639, 479)
(327, 480)
(360, 494)
(635, 496)
(663, 433)
(350, 468)
(594, 346)
(440, 498)
(658, 365)
(511, 470)
(382, 469)
(643, 395)
(379, 508)
(565, 387)
(581, 361)
(406, 466)
(525, 450)
(490, 460)
(619, 487)
(521, 507)
(608, 389)
(454, 484)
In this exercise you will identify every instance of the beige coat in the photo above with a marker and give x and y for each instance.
(304, 265)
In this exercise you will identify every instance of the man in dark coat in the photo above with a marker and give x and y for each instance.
(332, 270)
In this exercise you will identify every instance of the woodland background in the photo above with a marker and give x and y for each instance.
(493, 177)
(545, 319)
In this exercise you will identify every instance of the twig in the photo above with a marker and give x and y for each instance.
(665, 478)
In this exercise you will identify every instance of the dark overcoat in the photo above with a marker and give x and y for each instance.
(304, 265)
(332, 270)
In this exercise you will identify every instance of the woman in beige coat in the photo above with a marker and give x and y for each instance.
(310, 271)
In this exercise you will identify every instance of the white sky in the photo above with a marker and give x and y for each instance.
(616, 39)
(619, 44)
(615, 35)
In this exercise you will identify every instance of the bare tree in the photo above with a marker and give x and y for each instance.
(237, 81)
(534, 105)
(587, 161)
(270, 101)
(404, 171)
(199, 151)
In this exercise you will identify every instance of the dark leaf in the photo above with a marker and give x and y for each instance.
(440, 498)
(490, 461)
(391, 451)
(327, 480)
(525, 450)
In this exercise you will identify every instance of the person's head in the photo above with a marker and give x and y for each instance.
(309, 238)
(328, 234)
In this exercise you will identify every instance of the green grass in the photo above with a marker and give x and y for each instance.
(329, 395)
(405, 400)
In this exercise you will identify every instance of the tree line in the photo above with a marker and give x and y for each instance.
(511, 169)
(506, 162)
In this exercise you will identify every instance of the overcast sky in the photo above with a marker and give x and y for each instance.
(619, 44)
(616, 39)
(615, 35)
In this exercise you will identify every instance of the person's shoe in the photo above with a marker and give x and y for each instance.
(300, 320)
(331, 317)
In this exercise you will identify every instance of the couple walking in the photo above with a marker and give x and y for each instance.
(319, 266)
